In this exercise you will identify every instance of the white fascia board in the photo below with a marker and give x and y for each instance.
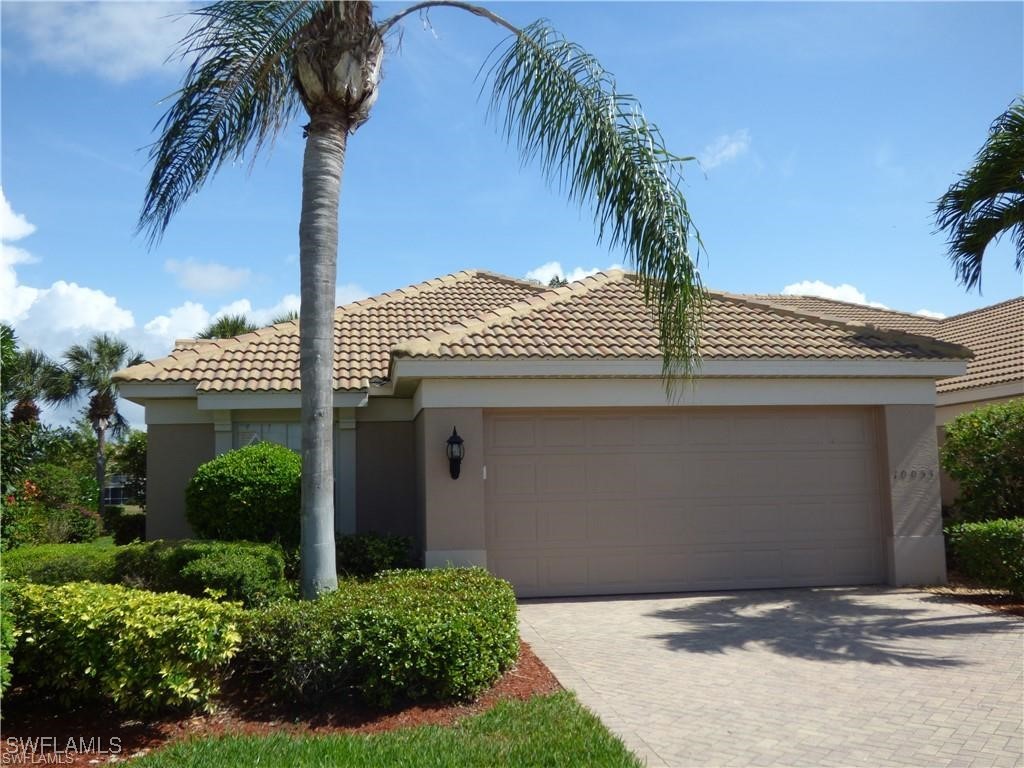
(611, 393)
(214, 401)
(137, 391)
(436, 369)
(981, 394)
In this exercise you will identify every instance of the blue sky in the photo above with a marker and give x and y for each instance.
(826, 131)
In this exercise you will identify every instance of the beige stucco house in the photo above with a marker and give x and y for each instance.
(802, 453)
(994, 334)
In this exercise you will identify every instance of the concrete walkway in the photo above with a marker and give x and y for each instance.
(802, 677)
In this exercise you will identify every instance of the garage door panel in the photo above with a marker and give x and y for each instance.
(666, 500)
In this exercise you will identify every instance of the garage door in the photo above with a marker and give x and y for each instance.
(585, 502)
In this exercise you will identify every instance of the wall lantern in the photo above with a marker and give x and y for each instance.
(455, 453)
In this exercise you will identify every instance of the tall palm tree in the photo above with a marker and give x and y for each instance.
(227, 326)
(255, 64)
(988, 199)
(87, 371)
(31, 372)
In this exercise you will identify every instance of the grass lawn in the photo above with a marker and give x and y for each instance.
(543, 731)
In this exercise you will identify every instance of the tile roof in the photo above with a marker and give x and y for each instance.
(481, 314)
(364, 333)
(995, 334)
(604, 316)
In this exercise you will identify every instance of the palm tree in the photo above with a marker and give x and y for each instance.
(87, 371)
(227, 326)
(285, 317)
(255, 64)
(988, 199)
(31, 371)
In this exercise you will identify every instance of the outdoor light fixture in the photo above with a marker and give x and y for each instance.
(455, 453)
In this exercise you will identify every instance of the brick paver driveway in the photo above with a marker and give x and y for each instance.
(802, 677)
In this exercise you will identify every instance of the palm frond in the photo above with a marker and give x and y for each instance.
(562, 109)
(987, 200)
(237, 96)
(227, 326)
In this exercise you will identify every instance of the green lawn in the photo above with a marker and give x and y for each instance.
(545, 731)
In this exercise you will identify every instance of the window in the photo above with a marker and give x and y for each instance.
(289, 435)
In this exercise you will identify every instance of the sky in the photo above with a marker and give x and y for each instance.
(824, 134)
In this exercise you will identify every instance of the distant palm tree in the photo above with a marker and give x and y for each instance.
(31, 371)
(227, 326)
(255, 64)
(988, 199)
(286, 317)
(557, 282)
(87, 371)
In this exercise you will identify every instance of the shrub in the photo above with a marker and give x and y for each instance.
(138, 651)
(991, 552)
(26, 522)
(251, 493)
(984, 453)
(250, 573)
(7, 640)
(436, 634)
(59, 486)
(129, 527)
(61, 563)
(366, 554)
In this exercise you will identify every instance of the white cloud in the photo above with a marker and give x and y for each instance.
(725, 149)
(843, 292)
(182, 322)
(13, 226)
(118, 41)
(545, 272)
(208, 277)
(930, 313)
(346, 293)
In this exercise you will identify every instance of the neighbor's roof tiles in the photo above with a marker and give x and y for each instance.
(995, 334)
(477, 314)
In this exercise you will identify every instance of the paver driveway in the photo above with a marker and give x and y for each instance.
(802, 677)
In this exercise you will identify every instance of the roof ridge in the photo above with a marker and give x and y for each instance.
(426, 344)
(981, 309)
(854, 304)
(895, 335)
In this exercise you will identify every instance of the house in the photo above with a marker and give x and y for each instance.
(802, 453)
(994, 334)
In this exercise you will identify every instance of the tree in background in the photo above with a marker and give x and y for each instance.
(87, 372)
(286, 317)
(988, 199)
(557, 282)
(254, 65)
(129, 458)
(227, 327)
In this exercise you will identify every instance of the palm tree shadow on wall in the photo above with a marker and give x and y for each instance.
(822, 625)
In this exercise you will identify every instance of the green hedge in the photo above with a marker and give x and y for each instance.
(7, 640)
(438, 634)
(61, 563)
(991, 552)
(251, 493)
(366, 554)
(244, 571)
(127, 527)
(984, 453)
(138, 651)
(252, 574)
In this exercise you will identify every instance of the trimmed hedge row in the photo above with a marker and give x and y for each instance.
(250, 573)
(361, 555)
(438, 634)
(138, 651)
(991, 552)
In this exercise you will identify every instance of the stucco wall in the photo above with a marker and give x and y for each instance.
(386, 478)
(912, 524)
(174, 453)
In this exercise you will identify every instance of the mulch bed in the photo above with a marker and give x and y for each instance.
(969, 591)
(236, 715)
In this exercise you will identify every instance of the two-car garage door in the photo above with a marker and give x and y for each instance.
(602, 502)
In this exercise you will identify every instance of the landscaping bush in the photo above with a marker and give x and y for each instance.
(128, 527)
(61, 563)
(366, 554)
(138, 651)
(25, 522)
(251, 493)
(991, 552)
(242, 571)
(438, 634)
(6, 642)
(984, 453)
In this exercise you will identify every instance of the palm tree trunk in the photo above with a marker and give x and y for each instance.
(322, 167)
(101, 461)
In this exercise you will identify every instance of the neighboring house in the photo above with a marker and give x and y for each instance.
(802, 453)
(995, 336)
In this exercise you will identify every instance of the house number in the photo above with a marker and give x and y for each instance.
(914, 474)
